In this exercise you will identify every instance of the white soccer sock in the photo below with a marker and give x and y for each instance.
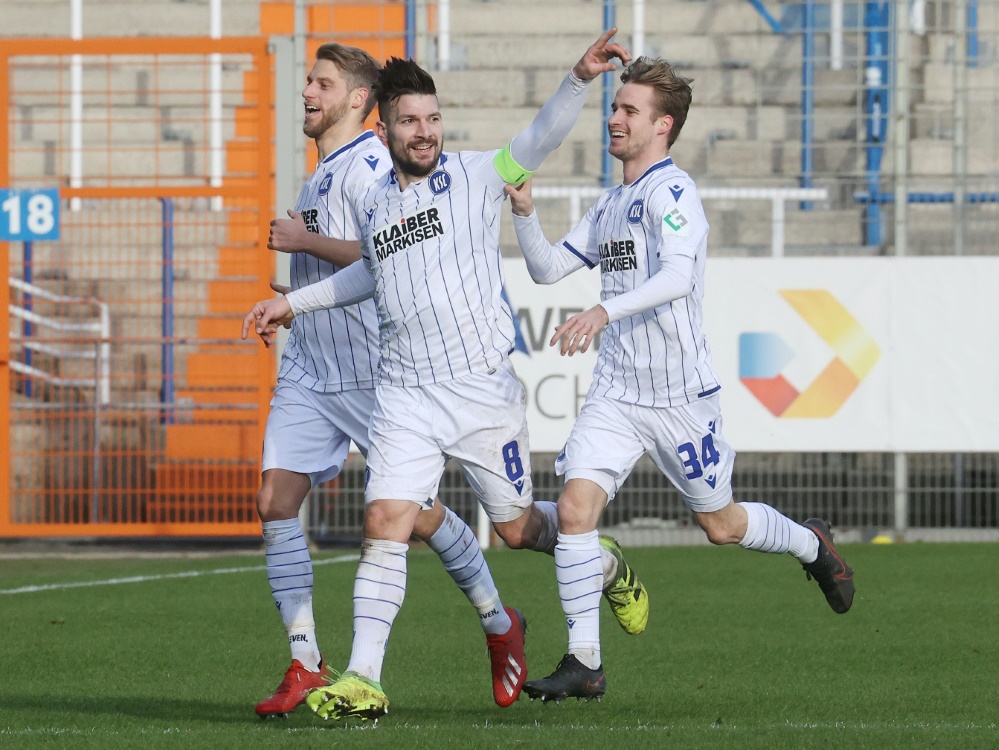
(459, 550)
(770, 531)
(549, 527)
(580, 578)
(379, 588)
(289, 572)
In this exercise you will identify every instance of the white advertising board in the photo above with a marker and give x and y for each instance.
(814, 354)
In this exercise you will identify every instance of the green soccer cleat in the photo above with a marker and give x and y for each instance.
(628, 599)
(351, 695)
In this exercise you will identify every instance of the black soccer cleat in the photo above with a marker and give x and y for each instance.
(833, 575)
(569, 680)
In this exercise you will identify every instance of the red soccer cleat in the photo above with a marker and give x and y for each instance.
(506, 655)
(294, 688)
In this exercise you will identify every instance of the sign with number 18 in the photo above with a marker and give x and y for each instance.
(29, 215)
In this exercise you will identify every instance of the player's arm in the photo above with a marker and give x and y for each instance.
(546, 263)
(347, 287)
(291, 236)
(552, 124)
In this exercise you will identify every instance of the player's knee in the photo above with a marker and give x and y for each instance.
(719, 531)
(577, 515)
(514, 534)
(265, 504)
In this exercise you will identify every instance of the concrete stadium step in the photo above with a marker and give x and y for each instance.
(47, 18)
(561, 51)
(585, 20)
(938, 83)
(168, 159)
(766, 159)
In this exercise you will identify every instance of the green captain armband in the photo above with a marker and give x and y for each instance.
(508, 168)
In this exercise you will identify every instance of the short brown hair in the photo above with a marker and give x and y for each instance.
(672, 94)
(400, 78)
(359, 69)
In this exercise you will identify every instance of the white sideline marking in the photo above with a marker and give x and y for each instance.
(160, 577)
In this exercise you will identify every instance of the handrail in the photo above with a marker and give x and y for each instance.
(777, 197)
(102, 327)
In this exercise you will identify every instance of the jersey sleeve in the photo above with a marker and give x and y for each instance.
(581, 240)
(365, 168)
(682, 226)
(353, 284)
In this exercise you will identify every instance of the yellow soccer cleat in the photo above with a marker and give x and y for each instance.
(351, 695)
(628, 599)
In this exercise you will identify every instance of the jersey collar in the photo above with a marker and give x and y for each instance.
(361, 138)
(667, 162)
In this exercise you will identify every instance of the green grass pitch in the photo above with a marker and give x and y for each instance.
(741, 652)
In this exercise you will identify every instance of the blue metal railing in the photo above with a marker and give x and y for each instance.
(606, 160)
(27, 329)
(928, 197)
(877, 54)
(411, 29)
(807, 99)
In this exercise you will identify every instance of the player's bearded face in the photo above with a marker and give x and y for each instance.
(326, 98)
(328, 116)
(415, 134)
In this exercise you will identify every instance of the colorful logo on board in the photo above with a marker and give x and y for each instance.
(763, 357)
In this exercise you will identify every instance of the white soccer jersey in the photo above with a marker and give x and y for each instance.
(434, 243)
(659, 357)
(335, 350)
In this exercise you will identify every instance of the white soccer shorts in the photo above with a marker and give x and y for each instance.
(479, 420)
(685, 443)
(309, 432)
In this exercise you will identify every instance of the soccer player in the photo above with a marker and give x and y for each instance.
(431, 258)
(653, 389)
(325, 391)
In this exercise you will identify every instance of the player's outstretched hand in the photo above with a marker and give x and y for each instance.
(288, 235)
(577, 332)
(521, 201)
(597, 59)
(265, 317)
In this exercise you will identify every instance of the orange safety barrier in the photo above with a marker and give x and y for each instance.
(151, 424)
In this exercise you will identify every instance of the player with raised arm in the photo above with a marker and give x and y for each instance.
(446, 389)
(653, 389)
(325, 391)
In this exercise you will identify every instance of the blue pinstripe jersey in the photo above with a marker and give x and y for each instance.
(434, 252)
(660, 357)
(335, 350)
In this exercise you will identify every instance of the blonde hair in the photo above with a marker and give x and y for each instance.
(359, 69)
(672, 94)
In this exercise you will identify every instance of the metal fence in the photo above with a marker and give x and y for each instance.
(888, 109)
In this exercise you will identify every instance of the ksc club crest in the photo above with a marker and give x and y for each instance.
(636, 211)
(439, 182)
(326, 184)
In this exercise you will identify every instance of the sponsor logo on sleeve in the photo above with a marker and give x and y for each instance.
(676, 223)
